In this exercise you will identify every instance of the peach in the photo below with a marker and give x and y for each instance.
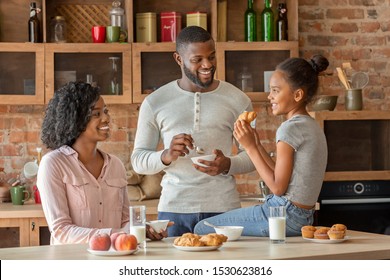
(100, 242)
(114, 236)
(125, 242)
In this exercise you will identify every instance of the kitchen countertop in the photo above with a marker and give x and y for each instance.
(28, 210)
(360, 245)
(32, 210)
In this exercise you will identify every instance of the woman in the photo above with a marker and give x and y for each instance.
(296, 177)
(83, 189)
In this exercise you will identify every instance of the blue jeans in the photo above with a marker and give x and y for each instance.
(254, 219)
(184, 222)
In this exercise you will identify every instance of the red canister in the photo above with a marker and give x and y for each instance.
(170, 26)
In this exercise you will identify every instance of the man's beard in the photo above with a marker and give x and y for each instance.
(194, 78)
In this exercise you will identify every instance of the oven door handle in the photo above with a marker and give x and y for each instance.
(355, 201)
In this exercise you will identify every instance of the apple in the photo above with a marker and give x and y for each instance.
(100, 242)
(114, 236)
(125, 242)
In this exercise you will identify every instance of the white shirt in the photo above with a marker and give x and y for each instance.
(209, 117)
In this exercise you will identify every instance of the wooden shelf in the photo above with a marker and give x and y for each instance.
(141, 71)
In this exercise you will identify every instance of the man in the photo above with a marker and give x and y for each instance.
(195, 110)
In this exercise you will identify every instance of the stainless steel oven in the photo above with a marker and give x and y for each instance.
(360, 205)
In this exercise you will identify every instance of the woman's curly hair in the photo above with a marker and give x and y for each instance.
(68, 114)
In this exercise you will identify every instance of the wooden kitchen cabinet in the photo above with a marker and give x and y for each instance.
(65, 62)
(29, 220)
(358, 144)
(22, 73)
(143, 73)
(148, 73)
(256, 58)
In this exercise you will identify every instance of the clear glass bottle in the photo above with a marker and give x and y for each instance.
(34, 28)
(282, 23)
(245, 80)
(250, 23)
(267, 23)
(58, 30)
(114, 87)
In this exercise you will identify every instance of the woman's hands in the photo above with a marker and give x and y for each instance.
(153, 235)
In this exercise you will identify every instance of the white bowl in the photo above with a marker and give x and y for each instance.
(232, 232)
(205, 157)
(158, 225)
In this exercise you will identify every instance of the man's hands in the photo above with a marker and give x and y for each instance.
(181, 145)
(178, 148)
(220, 165)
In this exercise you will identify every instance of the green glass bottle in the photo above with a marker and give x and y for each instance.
(250, 23)
(267, 23)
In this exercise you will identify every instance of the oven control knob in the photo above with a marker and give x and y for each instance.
(358, 188)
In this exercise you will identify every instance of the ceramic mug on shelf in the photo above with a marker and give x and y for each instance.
(98, 34)
(19, 195)
(115, 34)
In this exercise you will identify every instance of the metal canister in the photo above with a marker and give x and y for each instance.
(170, 26)
(198, 19)
(146, 27)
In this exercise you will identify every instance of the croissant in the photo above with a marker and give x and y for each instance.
(248, 116)
(213, 239)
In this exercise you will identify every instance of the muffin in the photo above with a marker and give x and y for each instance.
(308, 231)
(321, 233)
(337, 231)
(336, 234)
(339, 227)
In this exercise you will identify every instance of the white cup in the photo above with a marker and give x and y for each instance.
(277, 224)
(138, 224)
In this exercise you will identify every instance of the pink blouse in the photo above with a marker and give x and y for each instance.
(75, 203)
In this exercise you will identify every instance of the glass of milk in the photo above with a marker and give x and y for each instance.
(138, 224)
(277, 224)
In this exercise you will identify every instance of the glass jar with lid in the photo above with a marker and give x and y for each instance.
(58, 29)
(117, 18)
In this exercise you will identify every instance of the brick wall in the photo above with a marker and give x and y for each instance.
(356, 31)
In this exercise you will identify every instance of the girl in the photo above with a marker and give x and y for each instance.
(296, 177)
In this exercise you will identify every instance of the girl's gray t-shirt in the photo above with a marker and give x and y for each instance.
(308, 140)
